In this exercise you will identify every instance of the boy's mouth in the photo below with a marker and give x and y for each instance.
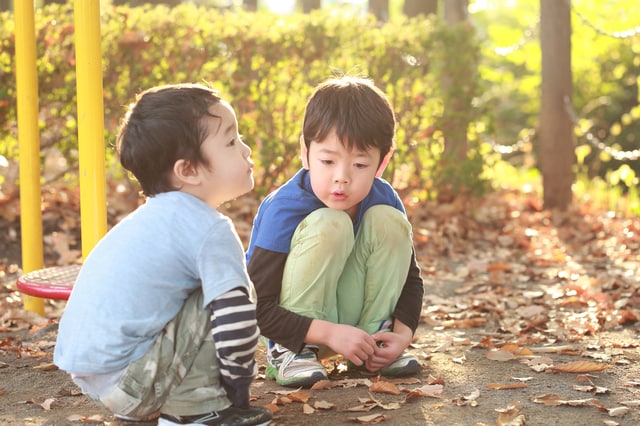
(338, 195)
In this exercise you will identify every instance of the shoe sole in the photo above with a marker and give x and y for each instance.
(410, 369)
(165, 422)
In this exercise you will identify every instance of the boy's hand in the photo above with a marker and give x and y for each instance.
(354, 344)
(389, 347)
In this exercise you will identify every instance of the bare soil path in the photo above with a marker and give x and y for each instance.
(528, 318)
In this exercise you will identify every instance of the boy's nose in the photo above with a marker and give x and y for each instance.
(247, 148)
(342, 178)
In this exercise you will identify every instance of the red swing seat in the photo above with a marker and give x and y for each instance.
(55, 282)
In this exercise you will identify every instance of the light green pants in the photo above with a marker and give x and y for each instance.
(334, 276)
(178, 376)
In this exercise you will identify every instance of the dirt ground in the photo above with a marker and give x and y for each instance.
(32, 392)
(527, 319)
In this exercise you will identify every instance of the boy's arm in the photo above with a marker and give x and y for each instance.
(276, 323)
(409, 306)
(235, 333)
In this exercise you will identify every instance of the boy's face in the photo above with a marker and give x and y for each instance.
(229, 173)
(341, 178)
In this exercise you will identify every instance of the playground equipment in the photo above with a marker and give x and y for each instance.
(56, 282)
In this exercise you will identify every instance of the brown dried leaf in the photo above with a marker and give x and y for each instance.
(551, 399)
(431, 391)
(384, 387)
(435, 380)
(469, 400)
(46, 404)
(299, 396)
(324, 384)
(369, 420)
(555, 400)
(578, 367)
(272, 407)
(49, 366)
(618, 411)
(500, 355)
(501, 386)
(510, 416)
(323, 405)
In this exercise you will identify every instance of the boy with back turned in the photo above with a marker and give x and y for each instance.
(160, 322)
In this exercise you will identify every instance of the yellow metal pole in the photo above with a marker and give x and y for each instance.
(93, 204)
(29, 146)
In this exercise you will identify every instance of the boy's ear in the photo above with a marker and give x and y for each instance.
(383, 163)
(185, 172)
(304, 153)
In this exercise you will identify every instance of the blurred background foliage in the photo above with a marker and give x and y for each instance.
(267, 64)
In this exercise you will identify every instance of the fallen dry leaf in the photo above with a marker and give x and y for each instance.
(501, 386)
(591, 388)
(323, 384)
(510, 416)
(323, 405)
(96, 418)
(618, 411)
(369, 420)
(469, 400)
(555, 400)
(578, 367)
(299, 396)
(384, 387)
(431, 391)
(500, 355)
(46, 404)
(49, 366)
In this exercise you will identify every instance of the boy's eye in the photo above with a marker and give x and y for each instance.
(327, 162)
(360, 165)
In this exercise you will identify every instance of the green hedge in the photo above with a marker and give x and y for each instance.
(266, 65)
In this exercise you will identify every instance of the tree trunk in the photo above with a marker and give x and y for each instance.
(379, 9)
(250, 5)
(456, 11)
(309, 5)
(413, 8)
(6, 5)
(455, 146)
(557, 154)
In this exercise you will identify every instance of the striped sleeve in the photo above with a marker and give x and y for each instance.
(235, 333)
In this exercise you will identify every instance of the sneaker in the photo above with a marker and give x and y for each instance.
(405, 365)
(294, 370)
(232, 416)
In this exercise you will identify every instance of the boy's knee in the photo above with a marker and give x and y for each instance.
(325, 231)
(387, 219)
(333, 221)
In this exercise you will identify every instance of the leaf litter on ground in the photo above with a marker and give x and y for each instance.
(527, 286)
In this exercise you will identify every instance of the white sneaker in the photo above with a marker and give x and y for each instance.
(294, 370)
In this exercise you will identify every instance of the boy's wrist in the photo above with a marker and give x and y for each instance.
(402, 329)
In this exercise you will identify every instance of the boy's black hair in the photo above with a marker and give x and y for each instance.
(359, 112)
(165, 124)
